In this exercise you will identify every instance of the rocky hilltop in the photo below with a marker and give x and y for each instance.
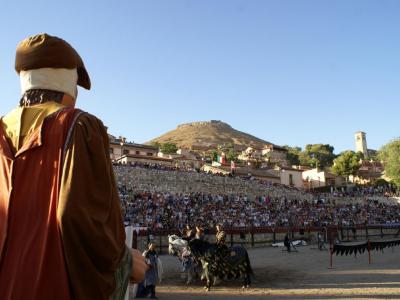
(209, 135)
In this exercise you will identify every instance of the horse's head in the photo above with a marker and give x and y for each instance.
(172, 237)
(176, 244)
(171, 250)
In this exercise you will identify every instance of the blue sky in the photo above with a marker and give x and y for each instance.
(290, 72)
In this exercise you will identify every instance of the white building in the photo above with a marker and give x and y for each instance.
(119, 147)
(291, 177)
(316, 178)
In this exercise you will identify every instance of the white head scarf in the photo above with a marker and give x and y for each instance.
(61, 80)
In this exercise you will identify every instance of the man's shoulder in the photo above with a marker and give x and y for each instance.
(88, 127)
(84, 116)
(85, 119)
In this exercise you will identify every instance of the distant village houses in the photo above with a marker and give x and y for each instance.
(268, 163)
(122, 151)
(271, 154)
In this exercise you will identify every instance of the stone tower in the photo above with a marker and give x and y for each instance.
(361, 143)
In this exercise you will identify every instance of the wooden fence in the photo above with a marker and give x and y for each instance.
(265, 236)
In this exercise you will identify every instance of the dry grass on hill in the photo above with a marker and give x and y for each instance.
(208, 135)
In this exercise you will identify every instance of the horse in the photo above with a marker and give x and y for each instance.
(221, 262)
(179, 247)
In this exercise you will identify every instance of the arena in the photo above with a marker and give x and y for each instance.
(302, 274)
(305, 274)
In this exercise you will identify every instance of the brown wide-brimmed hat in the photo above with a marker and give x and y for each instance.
(46, 51)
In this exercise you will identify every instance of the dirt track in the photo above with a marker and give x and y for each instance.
(302, 275)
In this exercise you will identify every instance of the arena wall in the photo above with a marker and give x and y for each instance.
(262, 237)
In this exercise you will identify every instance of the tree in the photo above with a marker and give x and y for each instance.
(381, 181)
(346, 164)
(293, 155)
(360, 155)
(168, 148)
(389, 154)
(306, 160)
(231, 155)
(373, 155)
(320, 155)
(214, 155)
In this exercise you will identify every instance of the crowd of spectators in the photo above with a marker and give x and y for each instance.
(280, 206)
(357, 191)
(385, 190)
(174, 211)
(156, 166)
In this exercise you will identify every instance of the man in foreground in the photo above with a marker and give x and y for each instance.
(61, 231)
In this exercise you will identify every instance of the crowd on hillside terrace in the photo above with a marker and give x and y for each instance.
(385, 190)
(357, 192)
(174, 211)
(156, 166)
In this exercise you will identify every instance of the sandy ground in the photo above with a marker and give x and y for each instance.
(302, 275)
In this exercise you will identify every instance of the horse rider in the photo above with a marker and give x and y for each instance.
(199, 233)
(220, 237)
(189, 234)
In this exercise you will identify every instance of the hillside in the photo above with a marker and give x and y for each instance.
(208, 135)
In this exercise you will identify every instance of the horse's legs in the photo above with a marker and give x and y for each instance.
(247, 280)
(209, 283)
(215, 281)
(189, 275)
(198, 271)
